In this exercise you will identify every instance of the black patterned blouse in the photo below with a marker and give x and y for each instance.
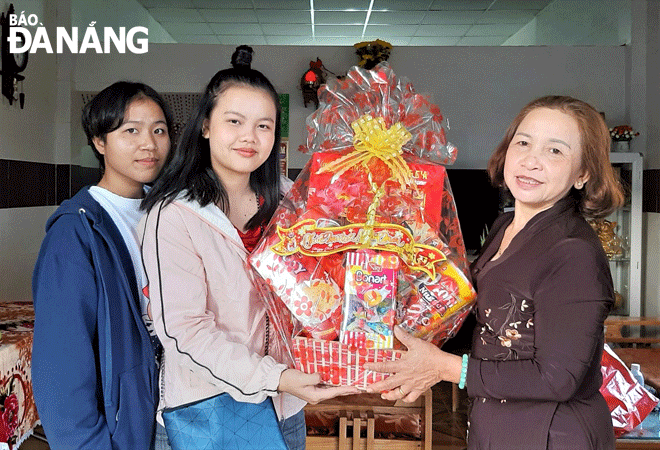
(534, 372)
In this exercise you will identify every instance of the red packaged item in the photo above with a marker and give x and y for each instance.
(349, 195)
(430, 302)
(375, 183)
(369, 302)
(303, 285)
(629, 402)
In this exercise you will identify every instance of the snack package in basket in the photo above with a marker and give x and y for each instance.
(370, 299)
(374, 189)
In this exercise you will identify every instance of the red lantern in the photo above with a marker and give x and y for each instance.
(311, 77)
(310, 82)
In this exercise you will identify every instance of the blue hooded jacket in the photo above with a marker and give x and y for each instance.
(94, 371)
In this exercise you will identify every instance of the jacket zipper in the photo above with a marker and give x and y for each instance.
(161, 375)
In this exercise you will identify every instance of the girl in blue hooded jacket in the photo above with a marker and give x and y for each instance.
(94, 368)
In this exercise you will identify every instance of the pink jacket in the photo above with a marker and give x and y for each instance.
(207, 313)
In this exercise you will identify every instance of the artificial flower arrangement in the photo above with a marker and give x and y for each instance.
(372, 53)
(368, 236)
(623, 133)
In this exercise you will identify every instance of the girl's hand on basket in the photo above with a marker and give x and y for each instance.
(308, 387)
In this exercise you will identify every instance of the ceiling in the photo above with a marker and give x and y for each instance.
(341, 22)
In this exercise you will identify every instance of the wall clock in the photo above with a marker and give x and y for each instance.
(12, 63)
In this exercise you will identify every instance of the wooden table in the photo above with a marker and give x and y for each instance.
(615, 326)
(636, 346)
(637, 444)
(18, 413)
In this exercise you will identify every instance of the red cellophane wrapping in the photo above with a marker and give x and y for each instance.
(629, 402)
(375, 180)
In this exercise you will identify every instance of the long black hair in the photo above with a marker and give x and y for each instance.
(188, 168)
(105, 112)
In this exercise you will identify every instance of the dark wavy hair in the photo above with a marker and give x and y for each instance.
(105, 112)
(188, 168)
(602, 193)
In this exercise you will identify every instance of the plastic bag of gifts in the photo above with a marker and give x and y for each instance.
(368, 236)
(628, 401)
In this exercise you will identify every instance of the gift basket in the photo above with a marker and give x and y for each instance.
(368, 236)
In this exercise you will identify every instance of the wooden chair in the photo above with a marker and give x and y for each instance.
(371, 405)
(635, 346)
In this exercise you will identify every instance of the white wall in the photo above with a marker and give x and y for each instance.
(479, 89)
(648, 61)
(28, 135)
(651, 280)
(576, 22)
(21, 233)
(651, 129)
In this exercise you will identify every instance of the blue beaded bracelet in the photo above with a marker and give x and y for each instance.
(461, 383)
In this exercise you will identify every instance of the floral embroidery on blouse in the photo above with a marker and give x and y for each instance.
(503, 328)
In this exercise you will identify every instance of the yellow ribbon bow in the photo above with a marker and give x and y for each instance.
(372, 139)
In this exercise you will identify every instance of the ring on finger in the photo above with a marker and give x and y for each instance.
(403, 394)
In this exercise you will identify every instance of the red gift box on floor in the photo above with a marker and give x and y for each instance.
(374, 182)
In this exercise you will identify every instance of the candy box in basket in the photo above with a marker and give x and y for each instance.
(369, 302)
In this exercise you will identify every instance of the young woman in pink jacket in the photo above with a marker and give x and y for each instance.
(206, 212)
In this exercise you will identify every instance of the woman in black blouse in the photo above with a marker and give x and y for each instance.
(544, 290)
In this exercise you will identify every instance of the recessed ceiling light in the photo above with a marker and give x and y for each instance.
(311, 13)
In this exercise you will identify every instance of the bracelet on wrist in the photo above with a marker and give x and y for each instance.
(461, 383)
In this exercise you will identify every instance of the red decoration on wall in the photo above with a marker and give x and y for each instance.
(310, 76)
(310, 82)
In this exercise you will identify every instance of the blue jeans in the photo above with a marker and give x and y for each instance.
(160, 441)
(294, 431)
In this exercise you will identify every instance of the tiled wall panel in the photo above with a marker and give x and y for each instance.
(29, 184)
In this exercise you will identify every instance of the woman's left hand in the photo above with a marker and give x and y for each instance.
(420, 367)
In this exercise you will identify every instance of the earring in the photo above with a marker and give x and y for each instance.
(579, 184)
